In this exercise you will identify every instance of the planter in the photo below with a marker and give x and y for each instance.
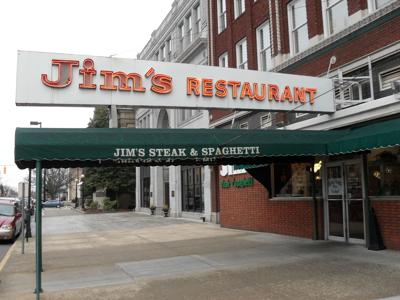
(152, 211)
(165, 213)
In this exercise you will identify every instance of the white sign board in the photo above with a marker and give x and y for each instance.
(53, 79)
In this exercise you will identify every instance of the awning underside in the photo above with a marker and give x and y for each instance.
(121, 146)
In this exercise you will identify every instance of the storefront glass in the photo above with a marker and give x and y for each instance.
(192, 189)
(294, 180)
(384, 172)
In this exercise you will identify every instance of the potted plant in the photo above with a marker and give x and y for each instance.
(165, 209)
(152, 209)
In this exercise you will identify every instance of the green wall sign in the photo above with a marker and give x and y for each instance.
(239, 183)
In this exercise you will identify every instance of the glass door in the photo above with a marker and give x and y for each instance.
(335, 207)
(345, 205)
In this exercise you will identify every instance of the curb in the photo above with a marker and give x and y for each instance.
(7, 256)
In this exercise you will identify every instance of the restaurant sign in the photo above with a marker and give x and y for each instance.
(52, 79)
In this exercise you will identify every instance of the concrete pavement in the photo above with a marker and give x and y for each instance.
(134, 256)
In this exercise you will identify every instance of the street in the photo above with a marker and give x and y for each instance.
(136, 256)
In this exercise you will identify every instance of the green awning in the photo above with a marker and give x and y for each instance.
(375, 135)
(133, 146)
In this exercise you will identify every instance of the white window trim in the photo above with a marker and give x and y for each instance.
(244, 125)
(325, 18)
(223, 55)
(372, 6)
(299, 115)
(292, 30)
(380, 78)
(221, 14)
(245, 61)
(269, 123)
(265, 24)
(189, 28)
(236, 8)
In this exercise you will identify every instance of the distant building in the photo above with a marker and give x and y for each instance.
(180, 38)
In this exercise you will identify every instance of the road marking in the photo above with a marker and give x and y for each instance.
(7, 256)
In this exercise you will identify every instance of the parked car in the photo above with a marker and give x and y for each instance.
(52, 203)
(10, 220)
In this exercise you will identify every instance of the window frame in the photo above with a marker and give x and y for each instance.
(225, 57)
(244, 125)
(293, 30)
(266, 49)
(243, 63)
(221, 10)
(267, 124)
(236, 5)
(380, 77)
(325, 16)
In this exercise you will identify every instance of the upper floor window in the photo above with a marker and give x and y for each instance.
(298, 26)
(162, 53)
(266, 120)
(264, 48)
(238, 7)
(381, 3)
(198, 19)
(181, 34)
(168, 47)
(386, 78)
(223, 60)
(244, 125)
(189, 26)
(221, 6)
(336, 15)
(241, 54)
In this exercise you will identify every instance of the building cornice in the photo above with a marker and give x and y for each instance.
(368, 23)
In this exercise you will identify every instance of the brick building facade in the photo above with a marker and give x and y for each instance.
(357, 44)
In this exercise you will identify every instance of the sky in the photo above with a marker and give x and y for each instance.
(90, 27)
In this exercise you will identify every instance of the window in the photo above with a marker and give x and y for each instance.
(264, 48)
(294, 180)
(192, 189)
(387, 77)
(244, 125)
(221, 15)
(181, 33)
(198, 20)
(299, 115)
(238, 7)
(266, 120)
(298, 26)
(223, 60)
(384, 172)
(162, 52)
(189, 32)
(241, 54)
(168, 47)
(336, 15)
(381, 3)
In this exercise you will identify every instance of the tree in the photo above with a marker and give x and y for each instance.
(57, 181)
(114, 179)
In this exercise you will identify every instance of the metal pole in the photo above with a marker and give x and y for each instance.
(38, 289)
(23, 218)
(83, 196)
(367, 204)
(28, 219)
(314, 206)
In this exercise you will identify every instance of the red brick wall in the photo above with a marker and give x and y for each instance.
(250, 209)
(356, 5)
(388, 215)
(358, 47)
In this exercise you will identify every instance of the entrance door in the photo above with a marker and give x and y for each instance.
(345, 205)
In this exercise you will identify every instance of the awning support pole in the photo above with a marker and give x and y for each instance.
(38, 212)
(314, 205)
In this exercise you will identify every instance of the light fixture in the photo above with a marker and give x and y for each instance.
(317, 166)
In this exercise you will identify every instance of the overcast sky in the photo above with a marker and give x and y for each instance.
(92, 27)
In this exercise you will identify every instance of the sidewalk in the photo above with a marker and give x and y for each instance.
(144, 257)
